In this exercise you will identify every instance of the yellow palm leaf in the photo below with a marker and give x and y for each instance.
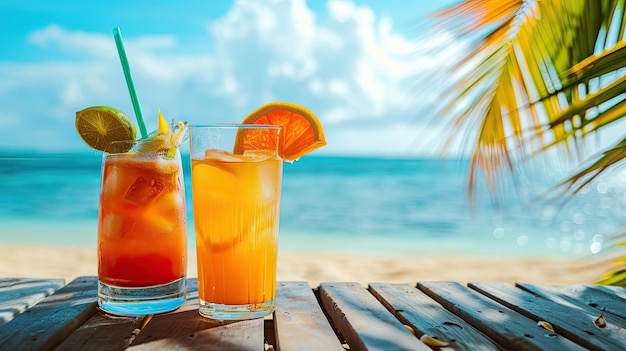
(550, 73)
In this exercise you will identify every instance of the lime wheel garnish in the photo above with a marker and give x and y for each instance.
(101, 127)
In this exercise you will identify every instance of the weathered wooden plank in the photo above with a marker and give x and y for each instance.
(104, 332)
(12, 288)
(583, 295)
(4, 281)
(107, 332)
(574, 323)
(181, 322)
(363, 321)
(49, 322)
(186, 329)
(299, 322)
(19, 294)
(235, 336)
(426, 316)
(503, 325)
(619, 291)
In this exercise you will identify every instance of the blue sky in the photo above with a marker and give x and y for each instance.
(368, 69)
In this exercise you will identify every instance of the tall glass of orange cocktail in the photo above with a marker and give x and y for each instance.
(236, 189)
(142, 225)
(142, 229)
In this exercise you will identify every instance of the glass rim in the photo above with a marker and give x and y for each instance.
(235, 126)
(131, 149)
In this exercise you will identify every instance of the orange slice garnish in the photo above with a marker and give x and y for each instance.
(302, 131)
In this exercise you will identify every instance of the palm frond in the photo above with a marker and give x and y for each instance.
(540, 74)
(617, 277)
(609, 158)
(608, 61)
(527, 86)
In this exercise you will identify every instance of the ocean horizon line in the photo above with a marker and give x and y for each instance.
(11, 153)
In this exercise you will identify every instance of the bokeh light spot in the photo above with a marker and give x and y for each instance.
(498, 233)
(522, 240)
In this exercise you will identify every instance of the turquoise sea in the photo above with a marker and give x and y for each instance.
(332, 203)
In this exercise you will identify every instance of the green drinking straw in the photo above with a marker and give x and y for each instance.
(129, 81)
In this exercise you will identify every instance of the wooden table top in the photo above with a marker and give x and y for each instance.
(46, 314)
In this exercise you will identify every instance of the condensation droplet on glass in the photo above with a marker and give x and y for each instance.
(566, 226)
(498, 233)
(602, 187)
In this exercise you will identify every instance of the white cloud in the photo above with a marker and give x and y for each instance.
(369, 85)
(93, 43)
(75, 41)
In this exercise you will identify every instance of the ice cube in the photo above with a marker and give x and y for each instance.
(154, 224)
(260, 155)
(222, 156)
(144, 190)
(169, 205)
(112, 183)
(115, 225)
(215, 182)
(269, 178)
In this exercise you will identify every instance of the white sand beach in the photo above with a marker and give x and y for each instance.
(315, 267)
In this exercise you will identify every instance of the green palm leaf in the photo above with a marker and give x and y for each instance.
(549, 74)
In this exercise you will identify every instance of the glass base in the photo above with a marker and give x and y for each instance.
(235, 312)
(141, 301)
